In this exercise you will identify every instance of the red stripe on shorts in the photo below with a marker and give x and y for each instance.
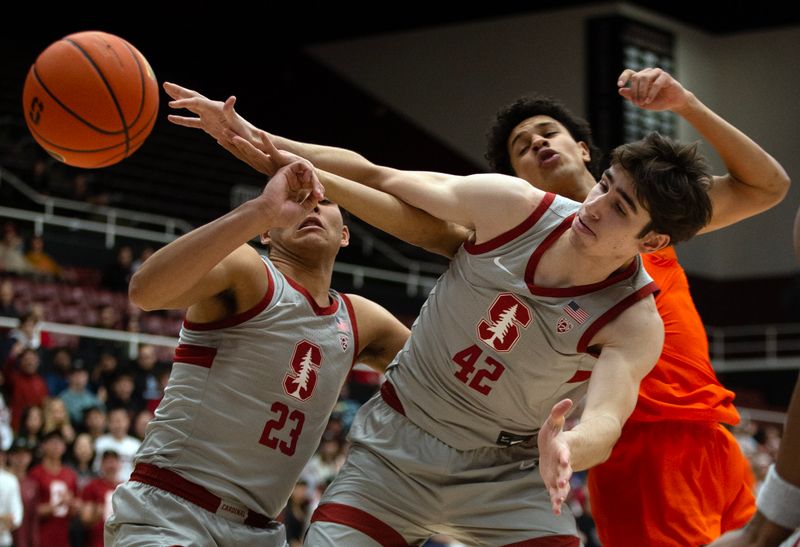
(389, 395)
(359, 520)
(549, 541)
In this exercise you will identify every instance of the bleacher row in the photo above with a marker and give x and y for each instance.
(81, 304)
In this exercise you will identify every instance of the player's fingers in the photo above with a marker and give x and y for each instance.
(185, 121)
(659, 83)
(624, 77)
(178, 92)
(267, 146)
(227, 108)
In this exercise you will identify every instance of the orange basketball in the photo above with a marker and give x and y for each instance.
(90, 99)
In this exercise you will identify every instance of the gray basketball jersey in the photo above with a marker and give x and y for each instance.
(249, 397)
(491, 353)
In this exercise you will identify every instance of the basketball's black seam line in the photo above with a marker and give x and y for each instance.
(108, 87)
(65, 149)
(111, 160)
(142, 79)
(68, 110)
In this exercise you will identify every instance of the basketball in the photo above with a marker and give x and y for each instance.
(90, 99)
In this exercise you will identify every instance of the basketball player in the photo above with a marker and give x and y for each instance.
(264, 350)
(505, 337)
(682, 392)
(778, 514)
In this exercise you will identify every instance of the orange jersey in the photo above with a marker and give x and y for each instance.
(682, 385)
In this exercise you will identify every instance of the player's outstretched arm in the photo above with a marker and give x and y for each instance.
(630, 346)
(214, 258)
(221, 121)
(755, 180)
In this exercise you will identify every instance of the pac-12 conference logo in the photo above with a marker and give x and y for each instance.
(506, 315)
(301, 379)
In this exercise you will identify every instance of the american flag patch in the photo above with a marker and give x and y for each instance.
(576, 312)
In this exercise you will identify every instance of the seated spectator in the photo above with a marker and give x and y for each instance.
(97, 497)
(87, 189)
(81, 459)
(56, 418)
(146, 253)
(12, 257)
(26, 335)
(6, 433)
(7, 306)
(10, 502)
(140, 422)
(118, 440)
(91, 349)
(58, 488)
(26, 386)
(95, 422)
(117, 275)
(123, 395)
(104, 373)
(56, 373)
(31, 427)
(40, 262)
(20, 456)
(77, 397)
(146, 372)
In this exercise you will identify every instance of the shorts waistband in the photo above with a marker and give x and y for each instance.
(171, 482)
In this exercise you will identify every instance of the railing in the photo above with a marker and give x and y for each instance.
(169, 228)
(133, 339)
(756, 347)
(416, 284)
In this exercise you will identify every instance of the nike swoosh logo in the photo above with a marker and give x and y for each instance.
(528, 464)
(497, 263)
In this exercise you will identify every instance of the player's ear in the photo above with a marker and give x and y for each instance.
(653, 242)
(345, 237)
(265, 240)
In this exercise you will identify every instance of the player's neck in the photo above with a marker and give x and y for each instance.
(584, 268)
(316, 279)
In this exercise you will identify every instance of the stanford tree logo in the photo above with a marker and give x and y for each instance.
(506, 314)
(299, 382)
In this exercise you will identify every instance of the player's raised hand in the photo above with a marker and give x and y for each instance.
(260, 153)
(213, 117)
(653, 89)
(292, 192)
(554, 455)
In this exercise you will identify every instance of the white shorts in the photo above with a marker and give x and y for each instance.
(146, 516)
(400, 485)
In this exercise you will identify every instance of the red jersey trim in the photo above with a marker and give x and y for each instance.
(578, 290)
(352, 313)
(328, 310)
(513, 233)
(580, 376)
(360, 520)
(239, 318)
(612, 313)
(202, 356)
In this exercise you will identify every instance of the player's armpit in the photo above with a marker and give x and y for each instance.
(380, 334)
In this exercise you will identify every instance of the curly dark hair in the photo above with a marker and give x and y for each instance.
(671, 180)
(510, 116)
